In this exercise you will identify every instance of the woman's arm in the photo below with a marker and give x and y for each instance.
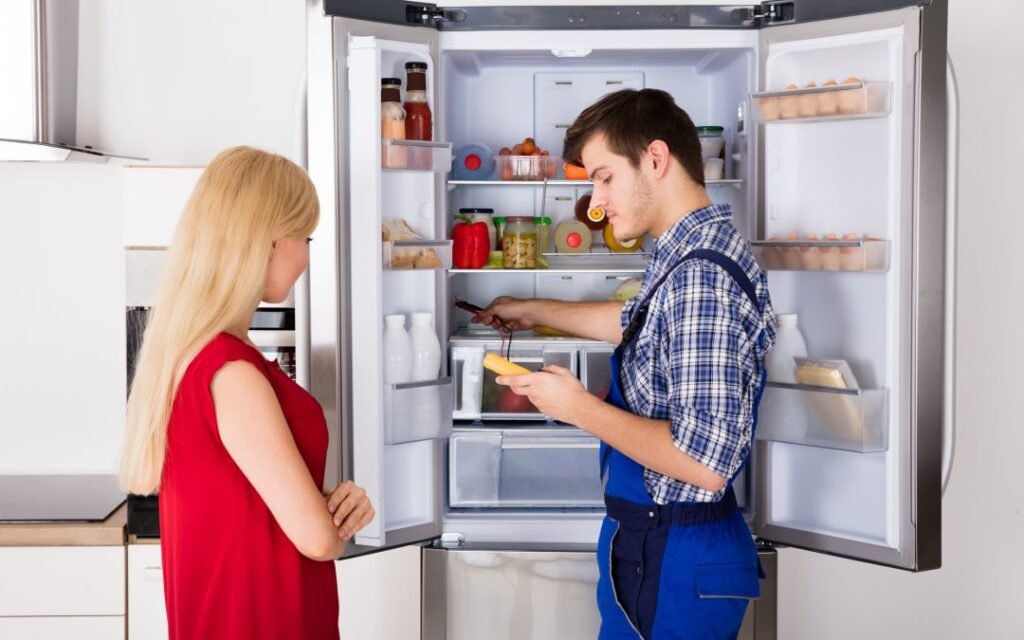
(256, 435)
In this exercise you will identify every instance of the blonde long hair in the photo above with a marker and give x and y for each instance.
(216, 269)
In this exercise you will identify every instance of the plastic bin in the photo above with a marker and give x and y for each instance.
(848, 419)
(527, 167)
(417, 411)
(417, 254)
(822, 255)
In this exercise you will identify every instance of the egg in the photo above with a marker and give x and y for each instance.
(828, 101)
(807, 103)
(789, 104)
(851, 258)
(810, 257)
(791, 255)
(853, 100)
(769, 108)
(829, 255)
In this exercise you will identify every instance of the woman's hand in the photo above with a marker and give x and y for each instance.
(351, 508)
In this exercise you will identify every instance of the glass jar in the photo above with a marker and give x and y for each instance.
(543, 230)
(392, 123)
(712, 142)
(485, 216)
(418, 122)
(519, 243)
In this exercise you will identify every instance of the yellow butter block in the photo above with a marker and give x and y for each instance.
(502, 366)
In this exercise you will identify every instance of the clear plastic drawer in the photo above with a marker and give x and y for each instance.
(415, 155)
(417, 411)
(849, 419)
(417, 254)
(596, 372)
(524, 469)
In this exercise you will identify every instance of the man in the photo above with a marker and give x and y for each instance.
(676, 558)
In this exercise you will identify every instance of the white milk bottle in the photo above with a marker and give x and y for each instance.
(789, 344)
(397, 350)
(426, 350)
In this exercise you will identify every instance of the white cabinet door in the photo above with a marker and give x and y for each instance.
(55, 628)
(147, 614)
(62, 581)
(379, 595)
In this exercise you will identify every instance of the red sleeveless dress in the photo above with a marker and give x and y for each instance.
(229, 569)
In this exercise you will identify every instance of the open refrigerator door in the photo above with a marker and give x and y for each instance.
(850, 437)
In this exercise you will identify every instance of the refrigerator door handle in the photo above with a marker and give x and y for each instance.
(952, 179)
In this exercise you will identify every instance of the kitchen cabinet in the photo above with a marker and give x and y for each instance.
(46, 592)
(147, 615)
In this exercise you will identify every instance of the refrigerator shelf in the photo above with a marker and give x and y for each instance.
(417, 255)
(416, 411)
(853, 101)
(591, 262)
(415, 155)
(823, 255)
(735, 182)
(847, 419)
(524, 468)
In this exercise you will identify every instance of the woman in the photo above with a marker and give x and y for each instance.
(236, 449)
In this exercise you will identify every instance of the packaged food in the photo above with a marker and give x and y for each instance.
(503, 366)
(398, 230)
(543, 227)
(473, 162)
(839, 413)
(392, 124)
(419, 121)
(624, 246)
(573, 237)
(595, 219)
(519, 243)
(714, 169)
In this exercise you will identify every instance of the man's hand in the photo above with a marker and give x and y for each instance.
(509, 314)
(554, 390)
(351, 508)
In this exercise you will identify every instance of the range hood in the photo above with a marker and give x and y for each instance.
(47, 130)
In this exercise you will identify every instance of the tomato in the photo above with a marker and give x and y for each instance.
(511, 402)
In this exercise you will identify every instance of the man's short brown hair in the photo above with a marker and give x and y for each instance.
(630, 120)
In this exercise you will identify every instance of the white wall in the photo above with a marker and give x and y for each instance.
(172, 82)
(179, 81)
(976, 593)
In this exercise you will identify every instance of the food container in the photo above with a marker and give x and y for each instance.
(519, 243)
(527, 167)
(712, 141)
(714, 169)
(543, 229)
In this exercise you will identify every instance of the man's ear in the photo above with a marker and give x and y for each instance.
(659, 157)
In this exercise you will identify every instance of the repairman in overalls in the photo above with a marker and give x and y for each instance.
(676, 558)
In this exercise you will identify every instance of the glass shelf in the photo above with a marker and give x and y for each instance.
(417, 255)
(857, 100)
(599, 262)
(822, 255)
(734, 182)
(847, 419)
(415, 155)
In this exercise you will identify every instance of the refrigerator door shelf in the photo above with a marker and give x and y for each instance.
(847, 419)
(417, 255)
(415, 155)
(417, 411)
(825, 255)
(529, 468)
(853, 101)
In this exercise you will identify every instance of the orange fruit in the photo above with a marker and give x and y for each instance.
(574, 172)
(504, 151)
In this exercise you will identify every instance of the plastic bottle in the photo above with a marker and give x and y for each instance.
(418, 119)
(392, 123)
(398, 358)
(426, 350)
(789, 344)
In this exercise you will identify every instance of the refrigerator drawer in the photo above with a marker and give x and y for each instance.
(417, 411)
(848, 419)
(524, 469)
(595, 370)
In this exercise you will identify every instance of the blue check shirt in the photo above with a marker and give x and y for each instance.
(698, 359)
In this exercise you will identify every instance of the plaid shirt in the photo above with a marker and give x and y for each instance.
(698, 358)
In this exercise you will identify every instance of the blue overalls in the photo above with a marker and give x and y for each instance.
(681, 570)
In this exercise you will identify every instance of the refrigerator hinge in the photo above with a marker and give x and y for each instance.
(769, 13)
(428, 15)
(450, 541)
(764, 545)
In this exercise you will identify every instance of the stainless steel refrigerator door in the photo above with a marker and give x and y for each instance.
(537, 595)
(881, 506)
(346, 290)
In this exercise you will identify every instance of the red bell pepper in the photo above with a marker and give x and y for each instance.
(471, 244)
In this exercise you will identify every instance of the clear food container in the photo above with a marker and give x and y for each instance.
(519, 243)
(527, 167)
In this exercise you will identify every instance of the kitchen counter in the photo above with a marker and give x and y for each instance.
(110, 532)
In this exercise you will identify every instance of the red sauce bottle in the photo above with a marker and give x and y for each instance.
(419, 123)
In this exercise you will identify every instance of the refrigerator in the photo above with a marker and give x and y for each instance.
(504, 504)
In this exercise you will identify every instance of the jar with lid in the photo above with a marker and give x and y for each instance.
(712, 141)
(392, 123)
(543, 229)
(418, 119)
(485, 216)
(519, 243)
